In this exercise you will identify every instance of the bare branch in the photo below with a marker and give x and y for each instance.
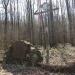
(45, 11)
(5, 3)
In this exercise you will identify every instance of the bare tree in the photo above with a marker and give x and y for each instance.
(18, 18)
(5, 5)
(30, 32)
(70, 20)
(51, 25)
(11, 19)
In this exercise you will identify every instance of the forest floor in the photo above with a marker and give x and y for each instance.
(62, 55)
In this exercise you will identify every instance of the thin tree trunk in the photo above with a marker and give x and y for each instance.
(11, 18)
(5, 29)
(70, 20)
(51, 26)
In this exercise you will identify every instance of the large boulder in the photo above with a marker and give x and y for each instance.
(18, 51)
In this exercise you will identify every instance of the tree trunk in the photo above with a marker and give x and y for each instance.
(5, 29)
(70, 20)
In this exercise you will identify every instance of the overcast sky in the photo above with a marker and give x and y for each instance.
(22, 5)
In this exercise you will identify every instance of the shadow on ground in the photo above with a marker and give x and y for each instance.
(40, 70)
(62, 69)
